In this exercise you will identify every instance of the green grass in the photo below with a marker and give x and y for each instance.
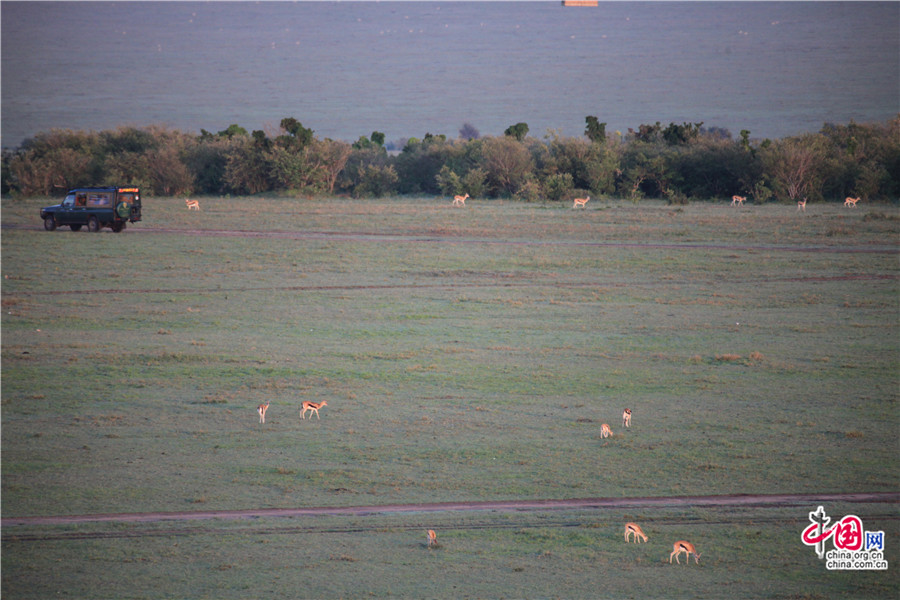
(745, 553)
(465, 355)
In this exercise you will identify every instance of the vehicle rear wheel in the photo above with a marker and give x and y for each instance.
(49, 223)
(75, 227)
(118, 227)
(93, 225)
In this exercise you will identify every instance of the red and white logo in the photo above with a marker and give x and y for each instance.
(854, 548)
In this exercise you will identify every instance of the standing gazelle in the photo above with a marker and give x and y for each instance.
(312, 407)
(801, 205)
(634, 528)
(431, 538)
(738, 200)
(626, 418)
(686, 547)
(460, 200)
(261, 409)
(851, 202)
(605, 431)
(580, 202)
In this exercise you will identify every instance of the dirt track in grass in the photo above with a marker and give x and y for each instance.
(762, 500)
(450, 239)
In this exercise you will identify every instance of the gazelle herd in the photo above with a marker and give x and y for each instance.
(305, 406)
(461, 201)
(632, 530)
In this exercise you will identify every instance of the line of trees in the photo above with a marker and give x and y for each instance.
(678, 162)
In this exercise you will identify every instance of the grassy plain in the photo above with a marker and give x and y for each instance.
(465, 354)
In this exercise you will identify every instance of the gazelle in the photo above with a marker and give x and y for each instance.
(801, 205)
(580, 202)
(634, 528)
(605, 431)
(460, 200)
(626, 418)
(851, 202)
(261, 409)
(686, 547)
(312, 407)
(738, 200)
(431, 538)
(192, 204)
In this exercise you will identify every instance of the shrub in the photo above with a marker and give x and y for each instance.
(474, 182)
(449, 182)
(376, 181)
(508, 165)
(559, 186)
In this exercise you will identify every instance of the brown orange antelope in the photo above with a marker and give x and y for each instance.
(261, 409)
(851, 202)
(192, 204)
(634, 528)
(686, 547)
(738, 200)
(580, 202)
(801, 205)
(460, 200)
(312, 407)
(605, 431)
(431, 537)
(626, 418)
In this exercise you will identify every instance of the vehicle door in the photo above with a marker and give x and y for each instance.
(65, 214)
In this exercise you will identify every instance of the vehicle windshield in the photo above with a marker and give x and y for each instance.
(69, 201)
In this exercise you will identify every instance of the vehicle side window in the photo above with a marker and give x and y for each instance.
(81, 200)
(69, 202)
(99, 200)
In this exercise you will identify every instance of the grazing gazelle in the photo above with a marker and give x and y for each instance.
(460, 200)
(312, 407)
(738, 200)
(686, 547)
(634, 528)
(580, 202)
(605, 431)
(851, 202)
(431, 538)
(801, 205)
(261, 409)
(195, 204)
(626, 418)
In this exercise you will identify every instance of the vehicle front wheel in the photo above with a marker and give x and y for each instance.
(49, 223)
(75, 227)
(93, 225)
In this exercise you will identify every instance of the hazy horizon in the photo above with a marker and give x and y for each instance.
(409, 68)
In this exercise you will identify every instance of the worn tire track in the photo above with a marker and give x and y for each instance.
(424, 238)
(779, 500)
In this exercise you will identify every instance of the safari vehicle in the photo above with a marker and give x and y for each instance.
(96, 207)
